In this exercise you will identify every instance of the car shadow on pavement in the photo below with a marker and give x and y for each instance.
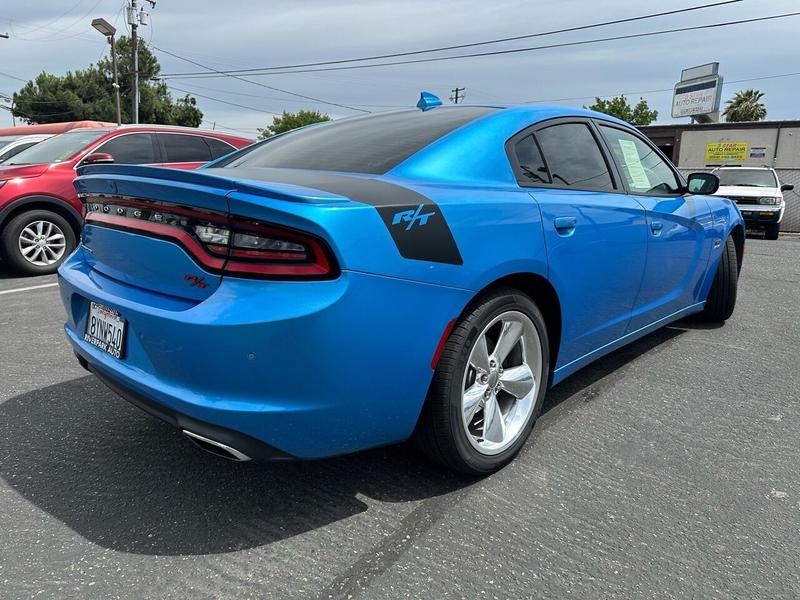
(130, 483)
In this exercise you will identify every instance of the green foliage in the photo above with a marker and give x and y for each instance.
(89, 94)
(745, 105)
(619, 107)
(288, 121)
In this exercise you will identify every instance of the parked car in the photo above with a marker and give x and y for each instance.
(425, 273)
(758, 194)
(10, 147)
(40, 214)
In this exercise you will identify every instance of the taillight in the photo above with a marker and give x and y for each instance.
(221, 244)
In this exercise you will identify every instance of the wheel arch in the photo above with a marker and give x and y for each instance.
(40, 202)
(544, 295)
(738, 235)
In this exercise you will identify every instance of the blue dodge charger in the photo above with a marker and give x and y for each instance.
(426, 273)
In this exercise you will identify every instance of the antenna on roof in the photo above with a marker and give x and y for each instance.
(428, 101)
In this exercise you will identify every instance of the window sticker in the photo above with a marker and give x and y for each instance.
(633, 163)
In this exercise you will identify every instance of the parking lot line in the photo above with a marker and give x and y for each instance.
(26, 289)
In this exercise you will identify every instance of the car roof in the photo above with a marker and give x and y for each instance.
(475, 152)
(741, 167)
(146, 127)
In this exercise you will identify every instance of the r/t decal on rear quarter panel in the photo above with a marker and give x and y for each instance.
(411, 217)
(415, 222)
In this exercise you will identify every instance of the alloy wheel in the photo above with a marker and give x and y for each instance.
(501, 382)
(42, 243)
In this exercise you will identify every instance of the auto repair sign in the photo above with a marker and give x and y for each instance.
(696, 97)
(720, 152)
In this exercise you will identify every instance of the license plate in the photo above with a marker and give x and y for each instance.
(105, 328)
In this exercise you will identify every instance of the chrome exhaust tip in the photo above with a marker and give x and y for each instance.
(215, 447)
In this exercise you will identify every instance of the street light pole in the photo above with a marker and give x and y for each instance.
(108, 30)
(134, 23)
(111, 41)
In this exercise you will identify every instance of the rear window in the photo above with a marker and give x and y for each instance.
(218, 147)
(746, 177)
(372, 144)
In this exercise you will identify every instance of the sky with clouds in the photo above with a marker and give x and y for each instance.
(56, 36)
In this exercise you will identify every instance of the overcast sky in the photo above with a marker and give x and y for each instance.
(55, 36)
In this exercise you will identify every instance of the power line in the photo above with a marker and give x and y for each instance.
(10, 76)
(481, 43)
(275, 89)
(216, 124)
(177, 89)
(263, 97)
(796, 73)
(509, 51)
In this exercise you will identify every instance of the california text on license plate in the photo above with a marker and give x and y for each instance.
(105, 328)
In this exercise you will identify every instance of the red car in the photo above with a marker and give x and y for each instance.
(40, 214)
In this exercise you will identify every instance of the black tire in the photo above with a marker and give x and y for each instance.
(772, 231)
(722, 297)
(9, 241)
(440, 433)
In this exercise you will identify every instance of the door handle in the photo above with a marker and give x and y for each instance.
(565, 225)
(656, 227)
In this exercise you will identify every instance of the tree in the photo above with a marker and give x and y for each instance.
(89, 94)
(288, 121)
(619, 107)
(745, 105)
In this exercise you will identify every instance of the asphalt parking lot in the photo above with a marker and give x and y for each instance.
(669, 469)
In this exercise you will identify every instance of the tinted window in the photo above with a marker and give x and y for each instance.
(131, 149)
(529, 158)
(573, 157)
(218, 147)
(644, 170)
(373, 144)
(745, 177)
(58, 148)
(6, 154)
(184, 148)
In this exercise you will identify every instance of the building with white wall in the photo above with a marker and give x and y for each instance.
(701, 147)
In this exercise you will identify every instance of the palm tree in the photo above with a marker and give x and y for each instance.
(745, 105)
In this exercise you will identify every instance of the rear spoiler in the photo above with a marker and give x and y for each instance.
(96, 179)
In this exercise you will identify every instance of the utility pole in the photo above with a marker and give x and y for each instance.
(133, 21)
(458, 95)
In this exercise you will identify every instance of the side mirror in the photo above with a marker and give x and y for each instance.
(787, 187)
(702, 183)
(98, 158)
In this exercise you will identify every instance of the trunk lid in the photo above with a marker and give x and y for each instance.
(142, 224)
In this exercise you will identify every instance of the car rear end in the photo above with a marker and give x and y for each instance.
(250, 315)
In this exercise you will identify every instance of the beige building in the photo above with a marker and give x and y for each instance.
(701, 147)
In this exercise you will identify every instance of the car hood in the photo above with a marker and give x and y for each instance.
(746, 191)
(22, 171)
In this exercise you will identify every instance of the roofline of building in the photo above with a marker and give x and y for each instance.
(724, 125)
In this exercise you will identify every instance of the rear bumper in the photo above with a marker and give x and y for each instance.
(303, 369)
(251, 447)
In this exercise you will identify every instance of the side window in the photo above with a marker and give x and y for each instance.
(644, 170)
(573, 157)
(184, 148)
(530, 161)
(132, 149)
(218, 147)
